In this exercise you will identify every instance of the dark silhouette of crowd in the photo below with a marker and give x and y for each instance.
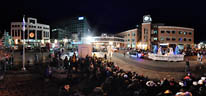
(92, 76)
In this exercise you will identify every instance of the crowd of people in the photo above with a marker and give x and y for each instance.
(103, 78)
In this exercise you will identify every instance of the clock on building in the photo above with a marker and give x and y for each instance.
(147, 19)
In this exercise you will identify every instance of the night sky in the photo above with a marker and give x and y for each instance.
(108, 16)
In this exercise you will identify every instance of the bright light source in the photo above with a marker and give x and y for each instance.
(42, 41)
(110, 43)
(65, 40)
(81, 18)
(164, 44)
(16, 41)
(55, 41)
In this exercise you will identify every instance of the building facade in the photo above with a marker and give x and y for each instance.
(148, 35)
(131, 38)
(76, 28)
(58, 34)
(35, 33)
(165, 36)
(173, 36)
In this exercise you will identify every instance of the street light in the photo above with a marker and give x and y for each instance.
(55, 41)
(89, 39)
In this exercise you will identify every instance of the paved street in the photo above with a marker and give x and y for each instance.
(154, 69)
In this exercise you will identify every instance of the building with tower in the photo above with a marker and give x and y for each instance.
(151, 34)
(165, 36)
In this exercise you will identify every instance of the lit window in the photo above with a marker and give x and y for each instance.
(155, 31)
(155, 39)
(180, 39)
(162, 38)
(185, 33)
(180, 32)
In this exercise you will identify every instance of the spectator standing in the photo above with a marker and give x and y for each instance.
(66, 63)
(105, 56)
(201, 58)
(198, 57)
(187, 69)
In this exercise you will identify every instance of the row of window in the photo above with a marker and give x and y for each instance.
(46, 34)
(133, 40)
(16, 33)
(30, 26)
(174, 39)
(174, 32)
(133, 34)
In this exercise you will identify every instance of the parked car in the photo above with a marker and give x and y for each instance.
(137, 54)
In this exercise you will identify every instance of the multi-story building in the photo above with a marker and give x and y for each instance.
(58, 34)
(165, 36)
(176, 36)
(131, 37)
(35, 33)
(76, 28)
(149, 35)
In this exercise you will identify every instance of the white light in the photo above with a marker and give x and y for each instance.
(16, 41)
(164, 44)
(65, 40)
(81, 18)
(42, 41)
(55, 41)
(89, 39)
(110, 43)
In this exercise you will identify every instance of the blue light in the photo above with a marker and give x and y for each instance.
(139, 55)
(81, 18)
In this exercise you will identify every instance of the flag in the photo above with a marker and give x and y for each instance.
(23, 28)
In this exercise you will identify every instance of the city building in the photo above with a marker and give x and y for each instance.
(131, 38)
(76, 28)
(165, 36)
(35, 33)
(58, 34)
(173, 36)
(103, 41)
(148, 35)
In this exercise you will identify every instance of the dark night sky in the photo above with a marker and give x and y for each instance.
(110, 16)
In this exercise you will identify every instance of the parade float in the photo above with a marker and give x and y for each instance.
(170, 56)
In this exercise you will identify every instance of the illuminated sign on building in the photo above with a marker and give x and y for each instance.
(80, 18)
(31, 35)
